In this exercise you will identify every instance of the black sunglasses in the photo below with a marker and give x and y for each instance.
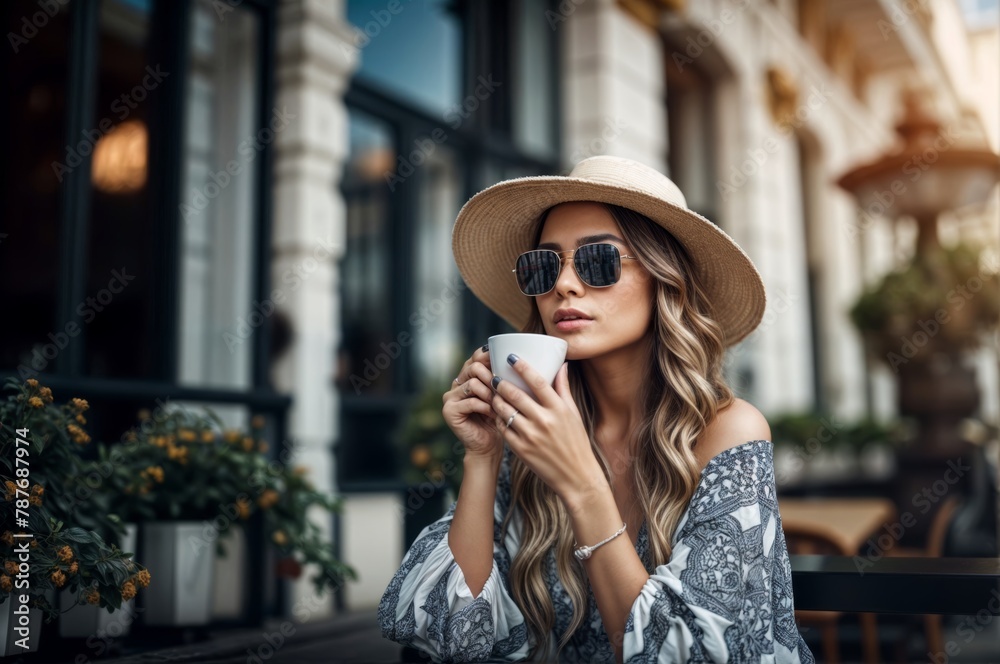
(598, 265)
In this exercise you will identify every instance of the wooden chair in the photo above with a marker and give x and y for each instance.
(814, 542)
(934, 549)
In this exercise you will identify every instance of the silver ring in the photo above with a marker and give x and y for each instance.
(511, 418)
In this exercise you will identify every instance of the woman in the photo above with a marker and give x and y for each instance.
(631, 515)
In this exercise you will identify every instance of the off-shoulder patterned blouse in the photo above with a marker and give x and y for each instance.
(724, 596)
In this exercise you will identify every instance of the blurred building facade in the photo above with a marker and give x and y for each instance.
(329, 144)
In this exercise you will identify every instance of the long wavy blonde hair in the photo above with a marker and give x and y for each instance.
(682, 390)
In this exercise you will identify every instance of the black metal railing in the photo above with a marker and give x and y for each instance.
(954, 586)
(266, 402)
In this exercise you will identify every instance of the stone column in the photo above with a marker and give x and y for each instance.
(315, 59)
(612, 85)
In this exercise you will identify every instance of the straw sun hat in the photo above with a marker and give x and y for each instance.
(499, 223)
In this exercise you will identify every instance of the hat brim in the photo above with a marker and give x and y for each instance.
(496, 225)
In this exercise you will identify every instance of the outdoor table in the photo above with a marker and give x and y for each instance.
(848, 522)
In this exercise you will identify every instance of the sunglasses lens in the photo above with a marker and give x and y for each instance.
(537, 272)
(598, 265)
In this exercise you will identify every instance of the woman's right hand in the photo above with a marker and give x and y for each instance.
(468, 411)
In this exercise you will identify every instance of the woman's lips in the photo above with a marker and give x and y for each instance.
(575, 324)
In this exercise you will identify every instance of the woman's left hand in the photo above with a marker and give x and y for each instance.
(548, 435)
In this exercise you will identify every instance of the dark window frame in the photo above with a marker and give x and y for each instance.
(484, 138)
(168, 45)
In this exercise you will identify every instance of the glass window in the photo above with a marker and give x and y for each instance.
(412, 49)
(35, 156)
(535, 84)
(367, 266)
(221, 154)
(437, 328)
(120, 255)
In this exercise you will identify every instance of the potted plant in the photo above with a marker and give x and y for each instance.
(188, 480)
(48, 510)
(943, 301)
(921, 320)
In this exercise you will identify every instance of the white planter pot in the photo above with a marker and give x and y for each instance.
(180, 562)
(84, 620)
(9, 621)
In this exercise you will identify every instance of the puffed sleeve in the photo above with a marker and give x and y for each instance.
(725, 595)
(428, 605)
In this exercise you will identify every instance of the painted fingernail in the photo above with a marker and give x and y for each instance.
(486, 347)
(496, 381)
(511, 359)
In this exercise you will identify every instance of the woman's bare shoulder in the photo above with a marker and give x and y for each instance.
(734, 425)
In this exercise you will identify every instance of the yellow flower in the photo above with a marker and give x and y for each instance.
(207, 436)
(130, 436)
(280, 538)
(78, 435)
(46, 394)
(247, 443)
(6, 583)
(268, 498)
(38, 490)
(143, 414)
(142, 578)
(243, 507)
(35, 500)
(35, 402)
(80, 404)
(300, 470)
(93, 597)
(257, 422)
(178, 453)
(128, 590)
(34, 543)
(263, 447)
(231, 435)
(58, 578)
(11, 567)
(81, 419)
(420, 456)
(186, 436)
(31, 382)
(65, 554)
(74, 567)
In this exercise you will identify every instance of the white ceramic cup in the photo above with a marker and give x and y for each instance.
(543, 353)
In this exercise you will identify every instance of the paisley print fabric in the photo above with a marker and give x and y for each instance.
(725, 595)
